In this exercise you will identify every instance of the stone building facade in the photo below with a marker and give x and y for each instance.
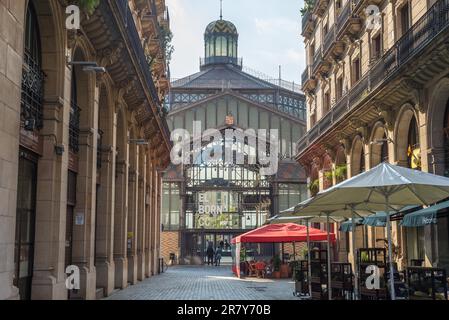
(81, 148)
(377, 87)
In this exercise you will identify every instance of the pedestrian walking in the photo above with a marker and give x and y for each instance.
(210, 254)
(218, 254)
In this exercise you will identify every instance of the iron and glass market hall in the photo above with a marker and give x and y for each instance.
(208, 201)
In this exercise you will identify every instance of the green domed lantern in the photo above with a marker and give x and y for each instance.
(221, 43)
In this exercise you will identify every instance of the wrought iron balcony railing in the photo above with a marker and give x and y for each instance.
(343, 16)
(329, 40)
(74, 127)
(136, 46)
(317, 58)
(410, 45)
(305, 76)
(32, 92)
(306, 18)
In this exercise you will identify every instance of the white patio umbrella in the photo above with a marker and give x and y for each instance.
(296, 219)
(386, 185)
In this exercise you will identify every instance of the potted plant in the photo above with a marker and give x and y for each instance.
(314, 187)
(277, 267)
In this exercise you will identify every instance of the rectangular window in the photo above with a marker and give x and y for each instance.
(326, 102)
(339, 88)
(355, 70)
(376, 47)
(405, 18)
(171, 204)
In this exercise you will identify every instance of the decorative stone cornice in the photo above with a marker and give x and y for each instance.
(111, 55)
(416, 90)
(386, 112)
(361, 128)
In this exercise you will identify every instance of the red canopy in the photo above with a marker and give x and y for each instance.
(282, 232)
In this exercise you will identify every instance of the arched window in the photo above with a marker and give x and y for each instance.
(413, 145)
(221, 46)
(32, 75)
(74, 121)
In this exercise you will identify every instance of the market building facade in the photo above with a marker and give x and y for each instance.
(213, 201)
(377, 88)
(83, 144)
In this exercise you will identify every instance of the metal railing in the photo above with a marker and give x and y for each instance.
(329, 39)
(32, 91)
(306, 18)
(421, 34)
(74, 127)
(343, 16)
(317, 58)
(221, 60)
(305, 76)
(136, 46)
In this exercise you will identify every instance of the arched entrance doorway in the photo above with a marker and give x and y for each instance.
(31, 121)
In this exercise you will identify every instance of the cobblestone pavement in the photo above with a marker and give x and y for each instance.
(206, 283)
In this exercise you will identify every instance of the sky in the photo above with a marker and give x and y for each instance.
(269, 34)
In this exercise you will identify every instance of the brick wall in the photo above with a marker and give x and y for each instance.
(169, 244)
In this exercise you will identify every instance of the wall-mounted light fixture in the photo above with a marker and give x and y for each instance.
(88, 66)
(139, 142)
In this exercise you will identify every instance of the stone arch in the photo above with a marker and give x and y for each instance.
(436, 120)
(379, 150)
(47, 283)
(357, 156)
(340, 164)
(327, 171)
(53, 40)
(406, 116)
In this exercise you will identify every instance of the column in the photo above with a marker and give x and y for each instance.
(51, 206)
(148, 208)
(132, 226)
(84, 226)
(104, 260)
(120, 225)
(141, 220)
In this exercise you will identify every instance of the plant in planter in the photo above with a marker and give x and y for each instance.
(314, 187)
(308, 6)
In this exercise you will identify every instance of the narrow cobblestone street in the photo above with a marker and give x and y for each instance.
(206, 283)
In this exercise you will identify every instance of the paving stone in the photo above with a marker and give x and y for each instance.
(205, 283)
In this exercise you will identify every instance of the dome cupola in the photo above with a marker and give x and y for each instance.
(221, 44)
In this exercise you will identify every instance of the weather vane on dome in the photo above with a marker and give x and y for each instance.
(221, 9)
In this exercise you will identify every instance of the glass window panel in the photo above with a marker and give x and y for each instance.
(211, 115)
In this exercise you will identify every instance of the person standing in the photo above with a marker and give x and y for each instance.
(218, 254)
(210, 254)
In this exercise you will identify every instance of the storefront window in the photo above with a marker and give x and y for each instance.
(171, 205)
(291, 194)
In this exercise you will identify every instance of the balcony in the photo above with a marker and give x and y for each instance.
(348, 22)
(308, 24)
(317, 59)
(431, 25)
(320, 7)
(329, 39)
(136, 46)
(308, 80)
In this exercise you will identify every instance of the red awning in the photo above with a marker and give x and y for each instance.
(282, 232)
